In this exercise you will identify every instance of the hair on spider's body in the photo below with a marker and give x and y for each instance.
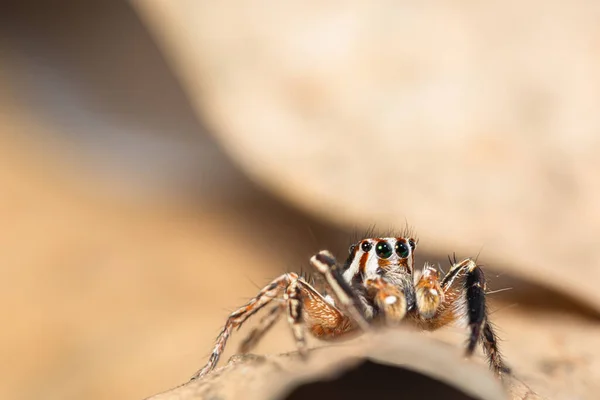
(376, 284)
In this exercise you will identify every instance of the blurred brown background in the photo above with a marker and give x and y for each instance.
(159, 160)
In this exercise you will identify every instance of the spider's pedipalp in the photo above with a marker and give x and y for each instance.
(389, 299)
(428, 292)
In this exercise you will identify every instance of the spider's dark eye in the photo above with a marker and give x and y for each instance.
(412, 244)
(383, 250)
(366, 247)
(402, 249)
(351, 249)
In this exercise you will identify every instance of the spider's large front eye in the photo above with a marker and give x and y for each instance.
(366, 247)
(402, 249)
(383, 250)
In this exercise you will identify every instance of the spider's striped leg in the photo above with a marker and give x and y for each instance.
(479, 326)
(305, 307)
(323, 319)
(265, 323)
(388, 298)
(326, 265)
(295, 309)
(238, 317)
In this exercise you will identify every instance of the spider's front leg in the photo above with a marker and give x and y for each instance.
(325, 263)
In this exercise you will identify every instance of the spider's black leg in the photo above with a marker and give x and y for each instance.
(476, 309)
(479, 325)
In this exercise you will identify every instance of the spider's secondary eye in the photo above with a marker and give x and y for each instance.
(402, 249)
(366, 247)
(383, 250)
(351, 249)
(412, 244)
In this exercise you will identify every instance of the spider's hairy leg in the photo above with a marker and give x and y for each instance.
(323, 319)
(265, 323)
(305, 306)
(475, 291)
(479, 326)
(490, 346)
(326, 265)
(239, 316)
(388, 298)
(428, 292)
(293, 299)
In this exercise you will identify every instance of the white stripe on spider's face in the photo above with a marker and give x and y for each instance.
(360, 255)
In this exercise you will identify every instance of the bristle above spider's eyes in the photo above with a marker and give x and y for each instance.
(366, 246)
(383, 250)
(402, 249)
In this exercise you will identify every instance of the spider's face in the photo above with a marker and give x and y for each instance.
(374, 257)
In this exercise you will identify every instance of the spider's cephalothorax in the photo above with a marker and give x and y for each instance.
(377, 283)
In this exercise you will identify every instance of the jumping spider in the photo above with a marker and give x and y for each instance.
(376, 283)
